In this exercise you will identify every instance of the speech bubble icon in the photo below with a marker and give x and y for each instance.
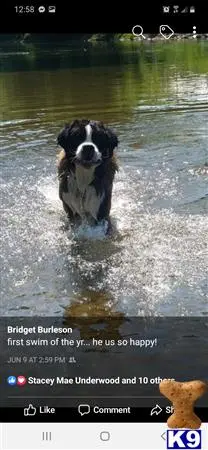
(84, 409)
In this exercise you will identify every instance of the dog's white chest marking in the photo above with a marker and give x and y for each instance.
(81, 197)
(84, 177)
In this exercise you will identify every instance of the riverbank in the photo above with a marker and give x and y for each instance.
(43, 39)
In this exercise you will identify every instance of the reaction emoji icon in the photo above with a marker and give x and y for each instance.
(21, 380)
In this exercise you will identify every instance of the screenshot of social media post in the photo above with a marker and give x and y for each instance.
(104, 166)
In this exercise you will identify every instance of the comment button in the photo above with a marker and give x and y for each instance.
(83, 409)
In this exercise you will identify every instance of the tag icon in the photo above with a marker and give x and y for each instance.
(166, 31)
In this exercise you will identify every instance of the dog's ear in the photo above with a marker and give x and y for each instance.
(62, 138)
(64, 135)
(113, 139)
(109, 134)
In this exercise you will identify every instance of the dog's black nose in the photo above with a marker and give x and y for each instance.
(87, 152)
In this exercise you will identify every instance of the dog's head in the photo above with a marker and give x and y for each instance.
(87, 142)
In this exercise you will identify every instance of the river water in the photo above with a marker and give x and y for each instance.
(155, 96)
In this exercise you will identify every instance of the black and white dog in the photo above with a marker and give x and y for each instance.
(86, 170)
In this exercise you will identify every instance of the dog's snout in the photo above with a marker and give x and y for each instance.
(88, 152)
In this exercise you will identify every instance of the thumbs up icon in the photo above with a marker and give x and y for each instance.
(30, 411)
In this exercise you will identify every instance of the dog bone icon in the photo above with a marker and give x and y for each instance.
(183, 396)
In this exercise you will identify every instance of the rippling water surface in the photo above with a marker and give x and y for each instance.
(156, 98)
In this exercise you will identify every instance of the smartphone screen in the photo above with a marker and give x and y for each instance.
(104, 165)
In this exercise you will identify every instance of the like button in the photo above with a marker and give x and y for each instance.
(30, 411)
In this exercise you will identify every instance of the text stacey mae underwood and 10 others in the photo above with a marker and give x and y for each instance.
(90, 380)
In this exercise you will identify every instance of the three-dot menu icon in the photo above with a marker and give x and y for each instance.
(194, 31)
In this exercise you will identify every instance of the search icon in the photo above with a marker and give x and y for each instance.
(137, 30)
